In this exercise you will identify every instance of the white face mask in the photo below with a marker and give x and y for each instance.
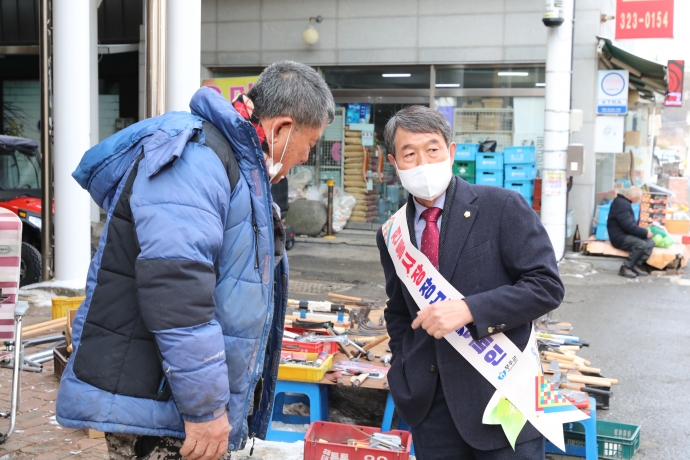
(274, 169)
(428, 181)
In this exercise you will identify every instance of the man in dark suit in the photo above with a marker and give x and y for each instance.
(489, 244)
(625, 234)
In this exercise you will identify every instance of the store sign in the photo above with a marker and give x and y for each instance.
(612, 92)
(644, 19)
(231, 87)
(674, 76)
(368, 138)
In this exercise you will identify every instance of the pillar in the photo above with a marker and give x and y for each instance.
(72, 124)
(183, 48)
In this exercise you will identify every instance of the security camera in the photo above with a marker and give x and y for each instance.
(553, 13)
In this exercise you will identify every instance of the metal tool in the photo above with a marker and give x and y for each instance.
(386, 359)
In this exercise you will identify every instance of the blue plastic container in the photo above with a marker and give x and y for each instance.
(492, 161)
(490, 177)
(602, 232)
(520, 154)
(520, 172)
(523, 187)
(466, 152)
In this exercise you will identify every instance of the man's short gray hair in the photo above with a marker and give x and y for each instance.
(292, 89)
(416, 119)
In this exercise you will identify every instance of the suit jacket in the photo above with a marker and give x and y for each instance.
(501, 259)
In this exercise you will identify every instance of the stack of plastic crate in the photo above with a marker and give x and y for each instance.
(520, 170)
(489, 168)
(464, 164)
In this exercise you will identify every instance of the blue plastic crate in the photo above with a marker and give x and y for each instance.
(523, 187)
(466, 152)
(520, 172)
(489, 161)
(602, 232)
(490, 177)
(520, 154)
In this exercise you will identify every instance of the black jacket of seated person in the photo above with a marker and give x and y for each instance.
(494, 251)
(622, 222)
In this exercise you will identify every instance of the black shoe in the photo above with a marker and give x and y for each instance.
(638, 271)
(627, 272)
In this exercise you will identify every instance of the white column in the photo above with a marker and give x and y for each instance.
(557, 128)
(72, 123)
(93, 31)
(183, 46)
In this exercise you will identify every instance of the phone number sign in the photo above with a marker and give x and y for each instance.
(644, 19)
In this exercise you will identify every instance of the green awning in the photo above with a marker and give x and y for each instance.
(647, 77)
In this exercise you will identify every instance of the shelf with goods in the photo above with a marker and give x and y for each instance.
(653, 208)
(474, 126)
(360, 177)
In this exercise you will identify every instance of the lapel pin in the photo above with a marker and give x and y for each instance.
(467, 214)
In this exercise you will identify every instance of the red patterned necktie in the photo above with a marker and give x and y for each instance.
(430, 235)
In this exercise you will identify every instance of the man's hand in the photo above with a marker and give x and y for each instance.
(443, 317)
(650, 234)
(206, 440)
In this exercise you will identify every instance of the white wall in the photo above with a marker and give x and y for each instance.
(259, 32)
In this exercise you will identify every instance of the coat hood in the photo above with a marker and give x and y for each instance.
(161, 139)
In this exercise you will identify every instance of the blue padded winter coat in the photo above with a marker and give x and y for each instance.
(184, 305)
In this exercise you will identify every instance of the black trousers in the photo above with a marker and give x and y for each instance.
(436, 438)
(640, 250)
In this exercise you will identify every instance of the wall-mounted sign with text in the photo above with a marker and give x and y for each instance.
(644, 19)
(675, 72)
(231, 87)
(612, 92)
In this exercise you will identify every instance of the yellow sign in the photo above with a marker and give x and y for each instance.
(231, 87)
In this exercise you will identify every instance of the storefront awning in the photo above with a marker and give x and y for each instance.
(647, 77)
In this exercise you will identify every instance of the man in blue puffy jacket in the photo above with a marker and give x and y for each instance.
(176, 347)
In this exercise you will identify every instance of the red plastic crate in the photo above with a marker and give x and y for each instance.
(336, 436)
(686, 240)
(310, 347)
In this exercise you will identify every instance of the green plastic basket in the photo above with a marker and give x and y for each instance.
(464, 169)
(614, 440)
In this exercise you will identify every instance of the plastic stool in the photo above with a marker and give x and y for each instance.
(590, 450)
(388, 419)
(313, 395)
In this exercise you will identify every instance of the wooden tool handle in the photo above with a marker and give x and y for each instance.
(558, 356)
(588, 380)
(344, 297)
(43, 330)
(371, 345)
(43, 324)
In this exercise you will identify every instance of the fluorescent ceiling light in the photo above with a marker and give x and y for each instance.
(541, 85)
(396, 75)
(448, 85)
(513, 74)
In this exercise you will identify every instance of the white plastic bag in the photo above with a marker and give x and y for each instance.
(297, 183)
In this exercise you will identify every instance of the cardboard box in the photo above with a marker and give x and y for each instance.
(93, 434)
(492, 103)
(633, 138)
(660, 258)
(678, 227)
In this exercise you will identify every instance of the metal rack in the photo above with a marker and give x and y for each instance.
(473, 126)
(324, 164)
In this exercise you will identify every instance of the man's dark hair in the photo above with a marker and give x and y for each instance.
(289, 88)
(416, 119)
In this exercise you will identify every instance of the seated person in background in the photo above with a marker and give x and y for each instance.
(625, 234)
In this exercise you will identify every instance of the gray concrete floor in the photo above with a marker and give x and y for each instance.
(639, 333)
